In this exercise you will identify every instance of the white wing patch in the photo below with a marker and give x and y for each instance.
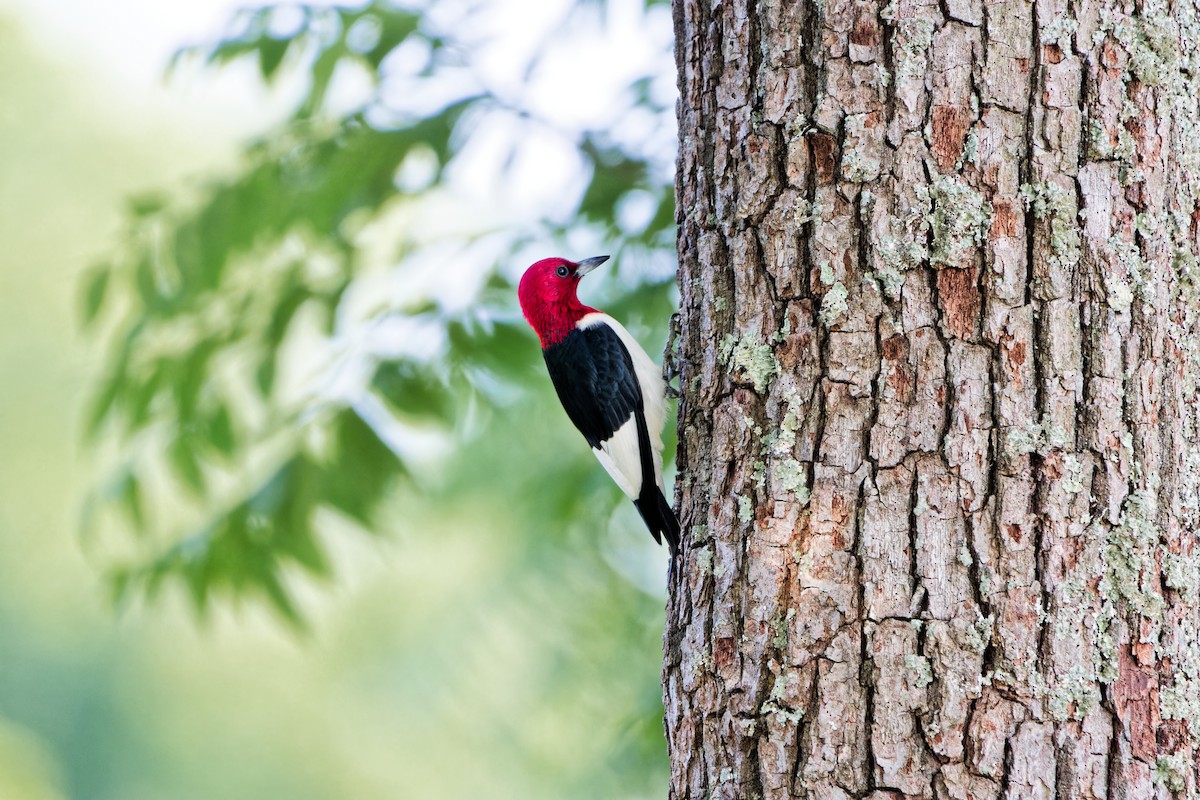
(619, 455)
(620, 458)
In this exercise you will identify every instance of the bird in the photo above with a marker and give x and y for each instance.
(611, 390)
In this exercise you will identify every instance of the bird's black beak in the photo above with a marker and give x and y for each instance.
(588, 264)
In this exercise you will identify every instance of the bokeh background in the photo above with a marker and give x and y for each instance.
(287, 506)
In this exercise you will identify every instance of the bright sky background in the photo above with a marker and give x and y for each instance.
(128, 43)
(125, 46)
(120, 48)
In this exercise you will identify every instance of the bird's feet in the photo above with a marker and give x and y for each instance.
(672, 361)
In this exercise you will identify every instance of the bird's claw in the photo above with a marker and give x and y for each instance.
(672, 363)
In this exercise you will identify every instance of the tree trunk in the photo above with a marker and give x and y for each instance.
(938, 436)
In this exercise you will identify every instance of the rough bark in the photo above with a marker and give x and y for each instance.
(938, 435)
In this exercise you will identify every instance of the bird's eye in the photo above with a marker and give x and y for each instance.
(562, 272)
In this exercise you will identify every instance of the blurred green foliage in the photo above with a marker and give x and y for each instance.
(297, 361)
(212, 291)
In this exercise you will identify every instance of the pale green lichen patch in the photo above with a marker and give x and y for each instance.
(979, 635)
(753, 358)
(1034, 437)
(1124, 288)
(745, 508)
(1120, 294)
(827, 275)
(780, 624)
(1172, 771)
(834, 304)
(1106, 644)
(1181, 698)
(1182, 573)
(1074, 695)
(897, 255)
(970, 149)
(788, 474)
(1072, 479)
(960, 219)
(792, 476)
(913, 37)
(858, 165)
(1130, 556)
(1059, 32)
(1153, 51)
(920, 670)
(1151, 39)
(857, 168)
(776, 702)
(1049, 201)
(1022, 441)
(902, 248)
(804, 211)
(790, 423)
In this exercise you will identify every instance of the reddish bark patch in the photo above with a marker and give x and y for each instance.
(894, 347)
(991, 175)
(865, 31)
(1052, 466)
(823, 147)
(949, 129)
(1016, 359)
(901, 384)
(1135, 696)
(1052, 54)
(1135, 194)
(1014, 532)
(793, 349)
(959, 300)
(744, 397)
(1016, 354)
(723, 652)
(1004, 219)
(1109, 56)
(839, 509)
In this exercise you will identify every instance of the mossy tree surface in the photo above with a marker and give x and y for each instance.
(938, 435)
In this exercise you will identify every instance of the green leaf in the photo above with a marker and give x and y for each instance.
(508, 350)
(271, 52)
(359, 470)
(187, 464)
(129, 489)
(95, 289)
(220, 431)
(413, 391)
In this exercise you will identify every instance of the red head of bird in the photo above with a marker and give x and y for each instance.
(548, 299)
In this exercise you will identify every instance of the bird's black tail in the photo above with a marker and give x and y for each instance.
(659, 518)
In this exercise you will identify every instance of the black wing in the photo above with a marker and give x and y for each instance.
(593, 375)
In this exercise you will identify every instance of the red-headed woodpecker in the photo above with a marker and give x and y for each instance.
(609, 387)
